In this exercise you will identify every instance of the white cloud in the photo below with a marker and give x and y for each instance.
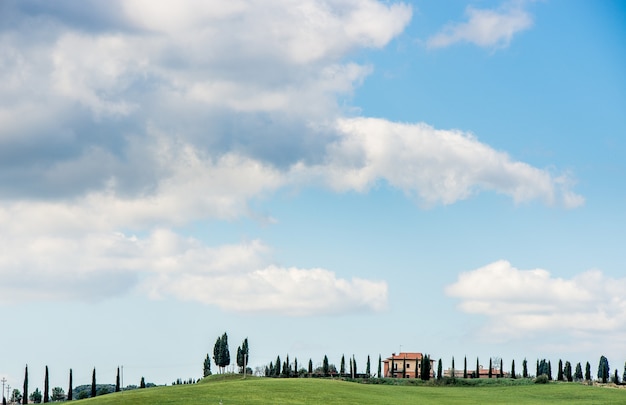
(485, 28)
(523, 303)
(439, 166)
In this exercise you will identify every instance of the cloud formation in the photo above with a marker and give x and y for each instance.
(485, 28)
(521, 303)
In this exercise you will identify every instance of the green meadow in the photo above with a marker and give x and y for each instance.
(231, 390)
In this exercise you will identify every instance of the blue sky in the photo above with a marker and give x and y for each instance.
(339, 177)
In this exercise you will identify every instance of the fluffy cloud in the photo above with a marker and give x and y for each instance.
(439, 166)
(485, 28)
(522, 303)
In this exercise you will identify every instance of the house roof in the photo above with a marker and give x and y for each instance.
(405, 355)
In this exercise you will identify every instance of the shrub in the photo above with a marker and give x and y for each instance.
(542, 379)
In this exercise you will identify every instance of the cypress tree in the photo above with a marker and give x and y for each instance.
(559, 373)
(465, 367)
(70, 392)
(578, 374)
(117, 381)
(439, 370)
(490, 366)
(477, 368)
(603, 369)
(351, 370)
(25, 397)
(501, 369)
(142, 383)
(568, 371)
(393, 365)
(616, 377)
(453, 373)
(310, 367)
(588, 371)
(224, 352)
(624, 375)
(295, 366)
(93, 383)
(380, 361)
(513, 369)
(342, 365)
(46, 387)
(206, 369)
(525, 368)
(404, 367)
(354, 370)
(217, 353)
(325, 366)
(367, 368)
(537, 373)
(549, 370)
(277, 367)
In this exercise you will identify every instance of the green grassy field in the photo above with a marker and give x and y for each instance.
(231, 391)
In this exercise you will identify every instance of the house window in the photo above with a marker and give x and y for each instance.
(408, 366)
(395, 366)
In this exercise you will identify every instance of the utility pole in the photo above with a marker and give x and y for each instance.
(3, 381)
(9, 390)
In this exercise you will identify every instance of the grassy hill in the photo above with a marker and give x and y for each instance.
(234, 390)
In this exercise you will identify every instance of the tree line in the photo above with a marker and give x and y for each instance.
(58, 393)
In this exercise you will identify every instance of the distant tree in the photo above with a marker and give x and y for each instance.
(142, 383)
(615, 378)
(567, 371)
(537, 372)
(310, 367)
(425, 369)
(46, 387)
(367, 367)
(4, 399)
(578, 374)
(70, 392)
(206, 368)
(35, 396)
(477, 369)
(325, 366)
(501, 374)
(242, 356)
(117, 381)
(342, 365)
(393, 367)
(524, 368)
(25, 397)
(16, 397)
(277, 367)
(58, 394)
(624, 375)
(549, 370)
(439, 370)
(603, 369)
(93, 383)
(465, 367)
(490, 368)
(588, 372)
(295, 366)
(351, 370)
(404, 367)
(559, 374)
(380, 362)
(453, 374)
(513, 369)
(286, 367)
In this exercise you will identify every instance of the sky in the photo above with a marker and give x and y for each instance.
(340, 177)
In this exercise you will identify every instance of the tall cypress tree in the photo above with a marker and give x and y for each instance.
(46, 387)
(380, 361)
(549, 370)
(465, 367)
(310, 366)
(525, 368)
(603, 369)
(93, 383)
(490, 366)
(367, 368)
(117, 381)
(513, 369)
(342, 365)
(477, 368)
(142, 383)
(70, 392)
(351, 369)
(206, 368)
(501, 369)
(277, 367)
(567, 371)
(325, 366)
(217, 353)
(439, 370)
(588, 372)
(559, 373)
(25, 397)
(453, 372)
(224, 351)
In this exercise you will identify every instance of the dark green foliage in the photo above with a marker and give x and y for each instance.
(295, 366)
(543, 368)
(142, 383)
(351, 370)
(221, 353)
(117, 381)
(559, 374)
(25, 396)
(588, 372)
(501, 369)
(277, 367)
(58, 394)
(603, 369)
(453, 370)
(354, 369)
(567, 371)
(35, 396)
(393, 366)
(310, 366)
(624, 375)
(242, 356)
(465, 367)
(404, 367)
(425, 368)
(578, 374)
(537, 372)
(542, 379)
(46, 387)
(513, 369)
(367, 367)
(325, 366)
(70, 392)
(490, 368)
(93, 383)
(524, 369)
(615, 378)
(206, 368)
(550, 371)
(439, 370)
(477, 369)
(380, 362)
(342, 365)
(286, 367)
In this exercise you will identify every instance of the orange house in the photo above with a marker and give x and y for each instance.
(405, 365)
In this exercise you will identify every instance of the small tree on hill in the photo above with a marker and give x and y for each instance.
(490, 368)
(117, 381)
(142, 383)
(559, 374)
(58, 394)
(367, 367)
(35, 396)
(603, 369)
(93, 383)
(439, 370)
(325, 366)
(310, 367)
(567, 371)
(588, 371)
(46, 387)
(25, 396)
(70, 392)
(206, 368)
(342, 365)
(524, 368)
(578, 374)
(465, 367)
(380, 362)
(513, 369)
